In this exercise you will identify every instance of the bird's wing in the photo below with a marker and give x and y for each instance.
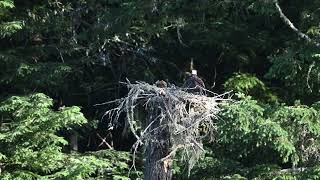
(200, 83)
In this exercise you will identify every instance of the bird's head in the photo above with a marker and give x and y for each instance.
(161, 84)
(193, 72)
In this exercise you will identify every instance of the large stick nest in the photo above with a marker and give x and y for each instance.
(174, 110)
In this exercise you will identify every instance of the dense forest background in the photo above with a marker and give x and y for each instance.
(61, 60)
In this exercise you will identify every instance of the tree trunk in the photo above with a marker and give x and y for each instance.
(158, 146)
(74, 141)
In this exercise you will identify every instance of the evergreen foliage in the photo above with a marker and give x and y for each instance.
(32, 149)
(78, 52)
(8, 28)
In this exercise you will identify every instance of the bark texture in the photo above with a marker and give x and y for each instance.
(158, 147)
(74, 141)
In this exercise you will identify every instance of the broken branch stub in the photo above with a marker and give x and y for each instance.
(171, 125)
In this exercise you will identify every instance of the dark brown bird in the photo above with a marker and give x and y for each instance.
(161, 84)
(194, 83)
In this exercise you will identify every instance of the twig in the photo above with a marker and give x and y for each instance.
(109, 102)
(308, 75)
(172, 152)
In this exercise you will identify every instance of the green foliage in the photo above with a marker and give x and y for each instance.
(80, 168)
(31, 149)
(303, 127)
(312, 173)
(210, 166)
(120, 164)
(8, 28)
(105, 164)
(77, 52)
(250, 134)
(249, 85)
(255, 138)
(28, 138)
(6, 4)
(244, 131)
(262, 7)
(244, 83)
(298, 69)
(27, 76)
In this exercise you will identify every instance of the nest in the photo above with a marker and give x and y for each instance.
(171, 111)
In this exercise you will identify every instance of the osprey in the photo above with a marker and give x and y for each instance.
(194, 84)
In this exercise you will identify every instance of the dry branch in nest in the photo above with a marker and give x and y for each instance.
(173, 119)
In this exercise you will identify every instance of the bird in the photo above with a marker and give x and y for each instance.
(194, 84)
(161, 84)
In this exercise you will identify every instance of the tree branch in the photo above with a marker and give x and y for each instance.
(287, 21)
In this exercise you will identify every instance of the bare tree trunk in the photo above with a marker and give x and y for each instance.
(74, 141)
(168, 125)
(158, 147)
